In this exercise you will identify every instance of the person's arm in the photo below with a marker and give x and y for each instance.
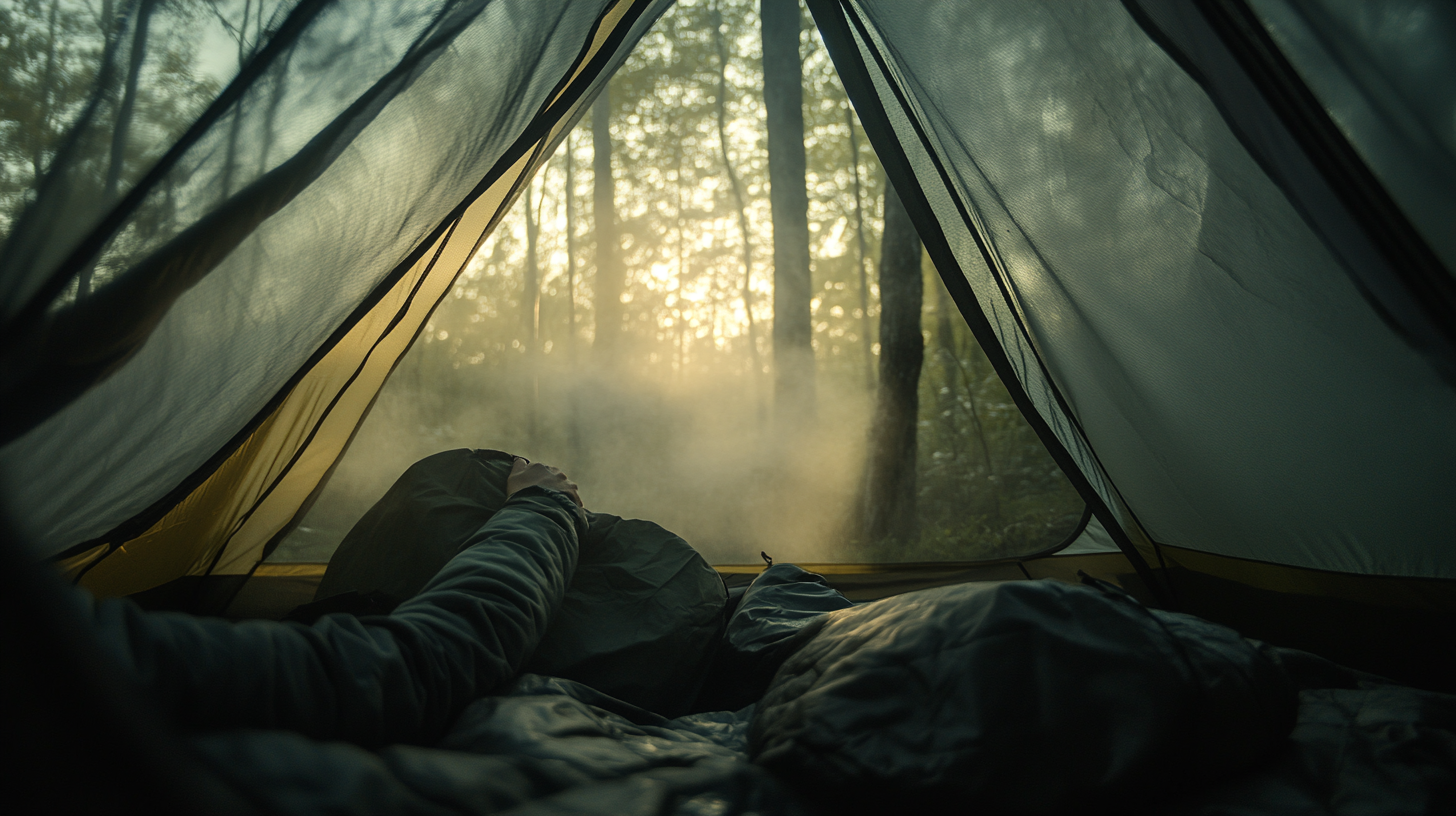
(374, 680)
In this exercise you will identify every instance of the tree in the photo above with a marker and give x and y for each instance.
(48, 58)
(121, 130)
(569, 195)
(889, 503)
(531, 306)
(739, 206)
(862, 256)
(783, 96)
(79, 85)
(610, 276)
(574, 442)
(38, 54)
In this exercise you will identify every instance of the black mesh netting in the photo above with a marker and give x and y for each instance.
(156, 296)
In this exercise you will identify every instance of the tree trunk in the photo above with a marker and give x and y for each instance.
(47, 84)
(949, 364)
(125, 110)
(755, 363)
(573, 423)
(531, 277)
(859, 234)
(679, 334)
(889, 508)
(973, 384)
(122, 127)
(783, 95)
(570, 254)
(270, 118)
(234, 128)
(610, 277)
(531, 307)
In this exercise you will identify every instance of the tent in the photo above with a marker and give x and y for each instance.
(1206, 244)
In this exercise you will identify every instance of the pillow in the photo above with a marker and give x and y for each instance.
(783, 608)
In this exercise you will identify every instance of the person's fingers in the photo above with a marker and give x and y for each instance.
(525, 473)
(571, 489)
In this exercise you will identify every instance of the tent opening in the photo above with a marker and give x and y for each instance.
(624, 329)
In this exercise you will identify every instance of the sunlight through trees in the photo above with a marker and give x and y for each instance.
(671, 418)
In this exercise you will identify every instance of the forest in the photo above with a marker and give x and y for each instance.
(652, 372)
(708, 307)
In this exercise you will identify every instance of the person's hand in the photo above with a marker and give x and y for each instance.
(525, 473)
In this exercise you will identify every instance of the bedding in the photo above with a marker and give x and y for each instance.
(1018, 697)
(894, 698)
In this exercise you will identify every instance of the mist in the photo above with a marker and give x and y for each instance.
(697, 457)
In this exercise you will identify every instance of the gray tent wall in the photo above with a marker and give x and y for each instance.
(1194, 343)
(1228, 332)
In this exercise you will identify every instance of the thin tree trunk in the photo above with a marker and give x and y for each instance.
(953, 378)
(573, 424)
(973, 382)
(680, 350)
(570, 254)
(122, 128)
(47, 81)
(234, 128)
(125, 110)
(531, 277)
(945, 348)
(610, 277)
(890, 479)
(783, 95)
(859, 234)
(754, 361)
(270, 118)
(531, 308)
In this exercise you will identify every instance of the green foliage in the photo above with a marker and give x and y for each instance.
(987, 485)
